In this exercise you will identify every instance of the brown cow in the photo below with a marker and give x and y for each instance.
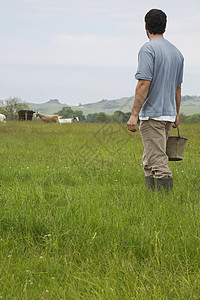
(25, 115)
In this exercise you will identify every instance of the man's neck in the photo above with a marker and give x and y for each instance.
(155, 36)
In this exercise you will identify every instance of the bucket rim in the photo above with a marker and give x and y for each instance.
(177, 137)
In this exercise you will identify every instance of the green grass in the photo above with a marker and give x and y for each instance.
(77, 223)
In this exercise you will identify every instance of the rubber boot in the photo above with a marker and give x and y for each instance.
(164, 184)
(149, 183)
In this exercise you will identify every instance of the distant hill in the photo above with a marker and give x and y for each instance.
(190, 105)
(48, 108)
(108, 106)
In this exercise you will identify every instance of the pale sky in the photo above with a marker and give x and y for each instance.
(83, 51)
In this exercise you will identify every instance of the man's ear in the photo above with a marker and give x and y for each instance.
(145, 26)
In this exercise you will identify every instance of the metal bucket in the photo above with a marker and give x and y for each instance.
(176, 147)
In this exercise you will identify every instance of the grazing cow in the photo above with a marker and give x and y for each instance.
(25, 115)
(48, 118)
(2, 118)
(70, 120)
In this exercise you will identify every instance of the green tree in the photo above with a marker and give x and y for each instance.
(79, 114)
(119, 117)
(126, 117)
(193, 118)
(1, 106)
(102, 117)
(11, 106)
(92, 118)
(66, 112)
(182, 118)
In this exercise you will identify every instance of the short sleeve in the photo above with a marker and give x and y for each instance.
(180, 75)
(145, 66)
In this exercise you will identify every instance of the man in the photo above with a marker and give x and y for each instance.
(157, 99)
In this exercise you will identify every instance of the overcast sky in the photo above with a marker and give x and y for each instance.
(83, 51)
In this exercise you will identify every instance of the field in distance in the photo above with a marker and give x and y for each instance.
(77, 223)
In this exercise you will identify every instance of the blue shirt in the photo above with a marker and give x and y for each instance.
(162, 63)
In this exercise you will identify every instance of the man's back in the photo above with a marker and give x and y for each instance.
(161, 63)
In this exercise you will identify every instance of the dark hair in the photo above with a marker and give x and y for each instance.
(156, 21)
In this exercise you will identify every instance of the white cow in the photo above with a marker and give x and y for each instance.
(2, 118)
(70, 120)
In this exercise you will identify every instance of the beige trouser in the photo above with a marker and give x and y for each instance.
(154, 137)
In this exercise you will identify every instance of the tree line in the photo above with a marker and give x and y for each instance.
(11, 106)
(101, 117)
(189, 119)
(121, 117)
(118, 116)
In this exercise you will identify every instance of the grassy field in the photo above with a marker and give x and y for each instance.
(77, 223)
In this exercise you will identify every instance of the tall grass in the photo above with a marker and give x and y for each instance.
(77, 223)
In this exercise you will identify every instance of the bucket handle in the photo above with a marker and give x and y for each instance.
(178, 130)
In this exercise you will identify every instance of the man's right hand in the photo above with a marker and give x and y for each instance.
(176, 123)
(132, 123)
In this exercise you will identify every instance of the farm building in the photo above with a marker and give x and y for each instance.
(25, 115)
